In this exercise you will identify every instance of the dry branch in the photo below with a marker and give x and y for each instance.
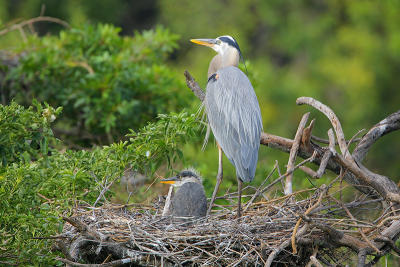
(28, 22)
(293, 153)
(106, 264)
(306, 137)
(387, 125)
(334, 120)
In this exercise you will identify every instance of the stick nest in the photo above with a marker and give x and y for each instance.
(262, 236)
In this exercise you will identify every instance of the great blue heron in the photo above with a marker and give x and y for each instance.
(189, 199)
(233, 112)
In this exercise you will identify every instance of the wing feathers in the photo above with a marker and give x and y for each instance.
(235, 119)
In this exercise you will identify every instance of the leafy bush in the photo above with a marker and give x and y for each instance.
(25, 133)
(34, 194)
(105, 83)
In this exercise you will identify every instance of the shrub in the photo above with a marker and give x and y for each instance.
(25, 133)
(105, 83)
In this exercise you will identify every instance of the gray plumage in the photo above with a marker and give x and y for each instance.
(234, 115)
(189, 200)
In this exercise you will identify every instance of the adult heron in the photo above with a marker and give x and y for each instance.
(233, 112)
(189, 198)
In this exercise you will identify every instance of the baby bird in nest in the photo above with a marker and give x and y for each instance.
(188, 199)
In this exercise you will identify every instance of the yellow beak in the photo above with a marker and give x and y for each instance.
(206, 42)
(170, 180)
(167, 182)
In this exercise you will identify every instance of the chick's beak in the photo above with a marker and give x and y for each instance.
(206, 42)
(170, 180)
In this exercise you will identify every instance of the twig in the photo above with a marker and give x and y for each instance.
(194, 86)
(293, 153)
(310, 159)
(258, 192)
(324, 141)
(83, 228)
(308, 171)
(50, 237)
(34, 20)
(315, 262)
(385, 187)
(327, 155)
(106, 187)
(331, 137)
(107, 264)
(359, 230)
(306, 137)
(390, 243)
(385, 126)
(282, 246)
(324, 189)
(45, 198)
(348, 205)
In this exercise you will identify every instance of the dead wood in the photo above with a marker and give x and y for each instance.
(293, 153)
(30, 22)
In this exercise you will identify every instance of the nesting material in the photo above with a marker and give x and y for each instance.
(138, 234)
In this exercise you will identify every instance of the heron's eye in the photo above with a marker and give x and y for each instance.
(218, 42)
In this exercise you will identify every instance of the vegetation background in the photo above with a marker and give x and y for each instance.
(108, 80)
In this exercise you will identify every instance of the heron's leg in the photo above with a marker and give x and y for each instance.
(219, 179)
(239, 211)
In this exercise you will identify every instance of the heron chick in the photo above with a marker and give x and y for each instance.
(189, 198)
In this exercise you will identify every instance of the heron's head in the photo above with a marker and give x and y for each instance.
(222, 45)
(183, 177)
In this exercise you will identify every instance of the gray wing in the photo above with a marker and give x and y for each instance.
(189, 200)
(234, 116)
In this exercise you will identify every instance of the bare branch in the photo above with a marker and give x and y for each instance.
(20, 25)
(194, 86)
(309, 171)
(383, 185)
(293, 153)
(107, 264)
(306, 137)
(387, 125)
(324, 141)
(327, 155)
(83, 228)
(332, 117)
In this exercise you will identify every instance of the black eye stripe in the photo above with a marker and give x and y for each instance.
(230, 42)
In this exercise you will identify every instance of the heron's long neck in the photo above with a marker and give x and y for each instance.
(229, 58)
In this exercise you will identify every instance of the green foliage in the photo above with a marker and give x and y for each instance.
(106, 83)
(25, 134)
(34, 194)
(161, 141)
